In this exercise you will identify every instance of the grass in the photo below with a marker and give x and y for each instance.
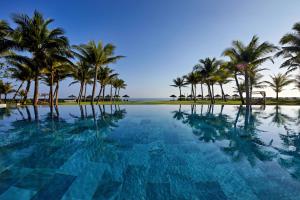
(165, 102)
(282, 101)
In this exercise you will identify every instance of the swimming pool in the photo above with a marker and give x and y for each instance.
(150, 152)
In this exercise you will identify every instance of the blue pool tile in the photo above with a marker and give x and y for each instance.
(158, 191)
(34, 180)
(10, 177)
(135, 179)
(107, 188)
(55, 188)
(232, 184)
(209, 190)
(86, 183)
(38, 159)
(14, 193)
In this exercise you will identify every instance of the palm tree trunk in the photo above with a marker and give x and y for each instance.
(239, 89)
(179, 93)
(202, 91)
(5, 95)
(195, 92)
(51, 89)
(85, 84)
(209, 92)
(213, 92)
(80, 92)
(223, 94)
(100, 91)
(36, 90)
(15, 95)
(247, 88)
(103, 96)
(56, 93)
(192, 91)
(111, 88)
(115, 94)
(277, 96)
(26, 91)
(94, 84)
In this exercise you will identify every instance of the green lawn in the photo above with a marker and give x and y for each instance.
(283, 101)
(218, 102)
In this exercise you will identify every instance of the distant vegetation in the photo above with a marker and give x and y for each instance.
(32, 52)
(244, 68)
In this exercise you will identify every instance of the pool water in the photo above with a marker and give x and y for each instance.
(150, 152)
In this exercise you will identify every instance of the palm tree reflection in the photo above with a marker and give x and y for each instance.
(243, 141)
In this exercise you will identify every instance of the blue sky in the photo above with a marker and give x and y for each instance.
(164, 39)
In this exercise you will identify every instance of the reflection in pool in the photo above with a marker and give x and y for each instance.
(150, 152)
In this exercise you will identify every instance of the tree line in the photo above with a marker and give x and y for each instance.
(32, 52)
(244, 68)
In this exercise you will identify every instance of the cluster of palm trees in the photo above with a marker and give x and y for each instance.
(244, 68)
(34, 52)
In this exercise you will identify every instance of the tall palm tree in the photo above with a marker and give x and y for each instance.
(249, 56)
(179, 82)
(208, 68)
(222, 77)
(55, 60)
(96, 55)
(278, 82)
(192, 79)
(105, 74)
(256, 82)
(82, 73)
(119, 84)
(231, 66)
(34, 36)
(112, 82)
(62, 71)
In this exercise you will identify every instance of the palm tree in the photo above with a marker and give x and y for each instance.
(278, 82)
(231, 66)
(297, 82)
(179, 82)
(55, 60)
(7, 88)
(208, 68)
(291, 48)
(222, 76)
(256, 82)
(61, 72)
(22, 93)
(56, 64)
(96, 55)
(118, 84)
(105, 74)
(21, 71)
(34, 36)
(6, 43)
(1, 90)
(81, 73)
(193, 79)
(248, 57)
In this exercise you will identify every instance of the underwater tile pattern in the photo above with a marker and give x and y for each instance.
(150, 152)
